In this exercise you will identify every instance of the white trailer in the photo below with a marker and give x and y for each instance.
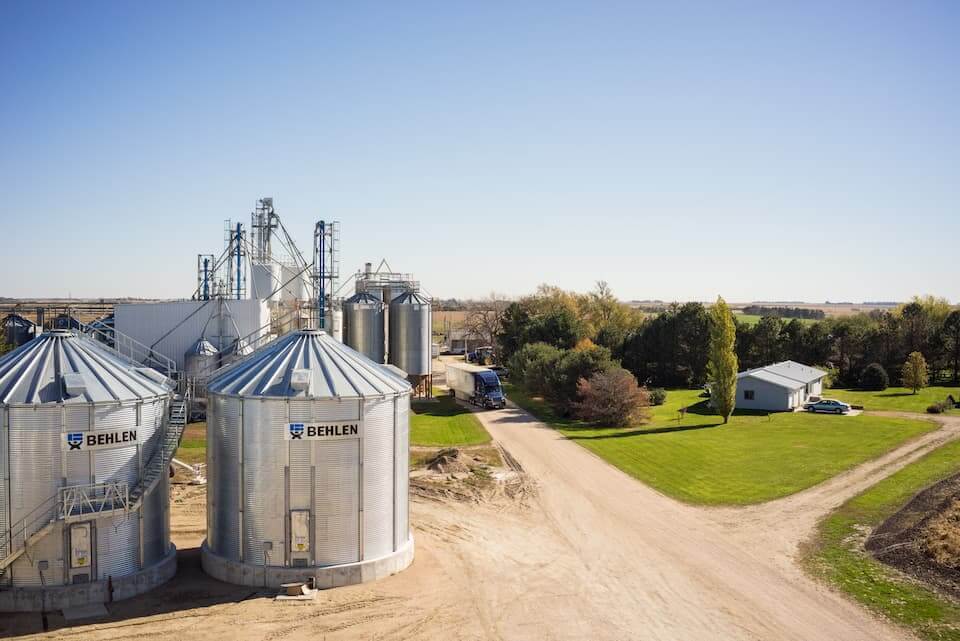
(476, 384)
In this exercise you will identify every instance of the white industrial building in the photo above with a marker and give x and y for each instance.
(172, 328)
(781, 387)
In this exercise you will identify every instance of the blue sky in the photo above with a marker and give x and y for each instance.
(677, 150)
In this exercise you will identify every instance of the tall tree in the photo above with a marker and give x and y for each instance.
(951, 332)
(722, 364)
(915, 372)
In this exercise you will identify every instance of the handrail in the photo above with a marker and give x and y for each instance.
(40, 515)
(93, 498)
(151, 357)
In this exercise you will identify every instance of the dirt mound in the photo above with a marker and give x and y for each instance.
(923, 538)
(453, 460)
(941, 538)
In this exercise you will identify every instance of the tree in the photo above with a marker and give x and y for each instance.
(874, 378)
(722, 362)
(915, 372)
(562, 379)
(531, 364)
(951, 332)
(612, 399)
(485, 319)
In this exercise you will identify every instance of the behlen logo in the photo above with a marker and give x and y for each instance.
(296, 431)
(75, 440)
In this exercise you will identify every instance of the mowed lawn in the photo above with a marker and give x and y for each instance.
(838, 556)
(193, 444)
(444, 422)
(754, 458)
(894, 399)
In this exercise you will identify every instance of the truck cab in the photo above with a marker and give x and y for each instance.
(487, 390)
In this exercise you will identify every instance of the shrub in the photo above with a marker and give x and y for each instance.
(612, 398)
(563, 378)
(874, 378)
(530, 365)
(937, 408)
(658, 396)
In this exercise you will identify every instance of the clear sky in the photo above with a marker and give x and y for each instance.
(761, 150)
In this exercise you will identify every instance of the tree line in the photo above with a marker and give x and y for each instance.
(785, 312)
(670, 348)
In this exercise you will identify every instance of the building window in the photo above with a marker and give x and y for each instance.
(748, 394)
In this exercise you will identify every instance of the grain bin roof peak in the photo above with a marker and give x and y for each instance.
(61, 367)
(334, 371)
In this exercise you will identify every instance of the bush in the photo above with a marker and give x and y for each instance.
(658, 396)
(563, 378)
(937, 408)
(612, 398)
(874, 378)
(530, 365)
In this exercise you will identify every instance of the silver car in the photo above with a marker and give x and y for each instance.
(827, 406)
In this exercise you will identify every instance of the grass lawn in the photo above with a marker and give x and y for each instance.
(754, 458)
(193, 444)
(837, 555)
(894, 398)
(445, 423)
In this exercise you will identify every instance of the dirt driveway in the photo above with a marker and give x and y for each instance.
(592, 555)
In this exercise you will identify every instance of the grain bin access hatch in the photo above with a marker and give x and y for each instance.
(308, 446)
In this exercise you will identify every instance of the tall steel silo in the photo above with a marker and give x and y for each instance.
(307, 463)
(83, 475)
(410, 334)
(363, 325)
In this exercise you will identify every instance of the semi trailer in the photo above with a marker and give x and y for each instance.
(475, 384)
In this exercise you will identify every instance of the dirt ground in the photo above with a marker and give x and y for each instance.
(900, 541)
(584, 552)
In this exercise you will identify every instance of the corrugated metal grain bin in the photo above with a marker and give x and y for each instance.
(307, 466)
(83, 484)
(363, 325)
(410, 334)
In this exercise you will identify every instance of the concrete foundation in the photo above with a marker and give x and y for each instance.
(58, 597)
(331, 576)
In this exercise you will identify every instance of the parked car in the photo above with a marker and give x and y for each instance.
(502, 372)
(827, 406)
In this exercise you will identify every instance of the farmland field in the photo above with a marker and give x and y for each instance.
(753, 319)
(894, 399)
(754, 458)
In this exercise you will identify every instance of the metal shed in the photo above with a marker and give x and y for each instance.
(83, 486)
(307, 463)
(780, 387)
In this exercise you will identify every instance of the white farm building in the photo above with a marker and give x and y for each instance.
(780, 387)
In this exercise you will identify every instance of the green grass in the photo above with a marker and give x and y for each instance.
(193, 445)
(838, 557)
(444, 423)
(754, 458)
(898, 399)
(753, 319)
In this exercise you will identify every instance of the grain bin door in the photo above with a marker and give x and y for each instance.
(337, 502)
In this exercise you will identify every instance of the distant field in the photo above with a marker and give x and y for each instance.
(895, 399)
(751, 460)
(444, 423)
(193, 445)
(753, 319)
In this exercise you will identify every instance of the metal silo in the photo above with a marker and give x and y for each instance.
(200, 360)
(363, 325)
(83, 475)
(307, 463)
(410, 334)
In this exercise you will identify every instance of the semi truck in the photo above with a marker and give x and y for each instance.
(475, 384)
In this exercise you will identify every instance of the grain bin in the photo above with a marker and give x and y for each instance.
(307, 464)
(410, 334)
(83, 484)
(200, 360)
(363, 325)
